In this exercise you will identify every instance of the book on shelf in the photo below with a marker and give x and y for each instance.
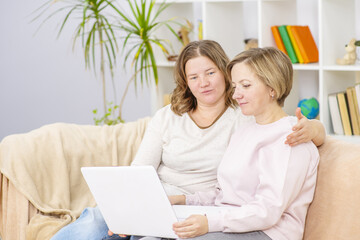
(357, 93)
(287, 43)
(306, 43)
(353, 110)
(278, 41)
(356, 98)
(294, 44)
(344, 113)
(335, 114)
(297, 42)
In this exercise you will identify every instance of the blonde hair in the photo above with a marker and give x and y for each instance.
(272, 67)
(182, 99)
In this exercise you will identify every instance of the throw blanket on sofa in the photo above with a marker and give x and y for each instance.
(44, 165)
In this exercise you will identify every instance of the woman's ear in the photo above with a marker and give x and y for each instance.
(272, 93)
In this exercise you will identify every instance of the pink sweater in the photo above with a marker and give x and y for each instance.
(270, 183)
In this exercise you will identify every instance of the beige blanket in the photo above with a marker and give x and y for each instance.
(44, 165)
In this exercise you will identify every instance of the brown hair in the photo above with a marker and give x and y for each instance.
(182, 99)
(272, 67)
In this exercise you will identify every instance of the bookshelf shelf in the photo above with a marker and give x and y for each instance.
(229, 22)
(308, 66)
(355, 67)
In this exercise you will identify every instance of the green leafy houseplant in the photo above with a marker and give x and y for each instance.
(139, 27)
(93, 28)
(100, 24)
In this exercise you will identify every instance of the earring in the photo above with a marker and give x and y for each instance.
(272, 96)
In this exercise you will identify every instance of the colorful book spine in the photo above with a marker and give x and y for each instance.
(294, 44)
(278, 41)
(306, 43)
(287, 43)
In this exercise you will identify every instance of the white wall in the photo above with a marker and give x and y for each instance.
(42, 81)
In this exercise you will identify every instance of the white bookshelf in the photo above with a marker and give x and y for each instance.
(332, 22)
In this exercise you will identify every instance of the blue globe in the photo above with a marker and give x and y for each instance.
(309, 107)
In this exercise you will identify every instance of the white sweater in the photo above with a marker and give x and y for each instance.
(186, 157)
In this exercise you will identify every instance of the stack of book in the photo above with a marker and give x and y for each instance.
(345, 111)
(297, 42)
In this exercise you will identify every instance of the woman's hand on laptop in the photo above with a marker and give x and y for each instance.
(110, 233)
(177, 199)
(193, 226)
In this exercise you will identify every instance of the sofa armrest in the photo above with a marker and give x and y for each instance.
(335, 210)
(44, 167)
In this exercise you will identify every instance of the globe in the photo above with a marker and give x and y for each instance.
(309, 107)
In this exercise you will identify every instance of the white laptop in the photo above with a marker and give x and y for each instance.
(133, 201)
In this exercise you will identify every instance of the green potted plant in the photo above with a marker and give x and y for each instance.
(139, 26)
(94, 30)
(99, 27)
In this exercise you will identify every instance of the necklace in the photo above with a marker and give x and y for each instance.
(212, 123)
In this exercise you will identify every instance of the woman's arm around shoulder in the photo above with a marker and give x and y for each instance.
(306, 130)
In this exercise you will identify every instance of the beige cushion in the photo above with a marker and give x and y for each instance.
(335, 211)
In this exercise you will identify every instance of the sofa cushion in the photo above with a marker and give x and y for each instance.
(335, 210)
